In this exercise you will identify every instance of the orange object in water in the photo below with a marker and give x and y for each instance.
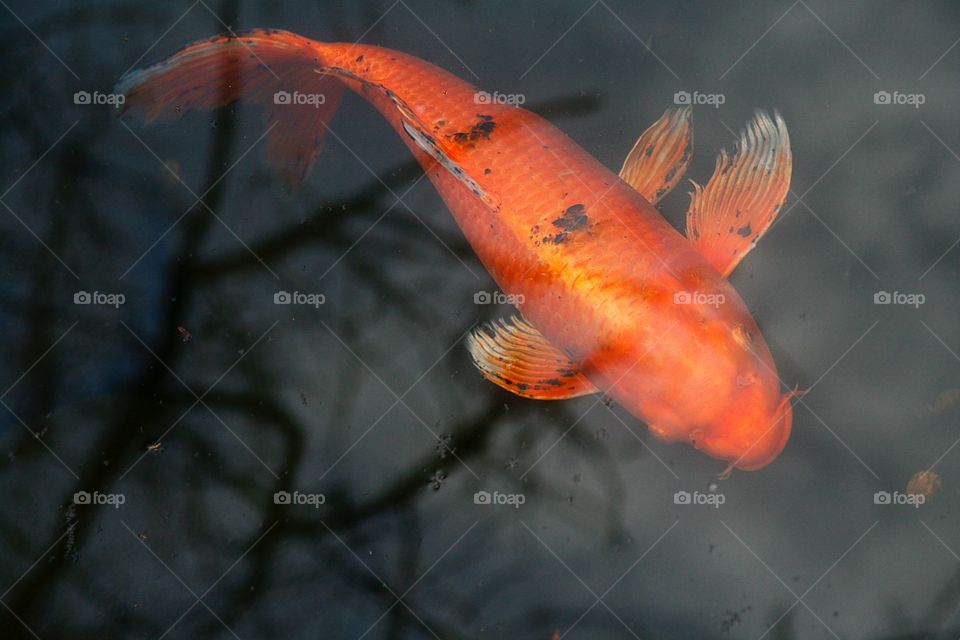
(613, 298)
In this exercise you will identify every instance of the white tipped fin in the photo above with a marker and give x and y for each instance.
(514, 355)
(740, 202)
(660, 156)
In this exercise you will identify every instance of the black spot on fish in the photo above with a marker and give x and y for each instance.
(744, 231)
(478, 131)
(523, 386)
(560, 238)
(360, 58)
(483, 129)
(649, 151)
(574, 218)
(554, 381)
(487, 171)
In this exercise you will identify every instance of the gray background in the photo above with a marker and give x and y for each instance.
(799, 545)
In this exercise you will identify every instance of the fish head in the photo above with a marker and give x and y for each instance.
(701, 373)
(747, 421)
(751, 436)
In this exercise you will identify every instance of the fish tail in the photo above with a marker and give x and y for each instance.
(275, 69)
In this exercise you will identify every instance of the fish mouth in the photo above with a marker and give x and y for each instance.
(783, 422)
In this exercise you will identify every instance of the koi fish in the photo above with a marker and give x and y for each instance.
(611, 298)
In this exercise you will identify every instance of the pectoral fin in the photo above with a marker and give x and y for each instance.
(514, 355)
(659, 158)
(728, 216)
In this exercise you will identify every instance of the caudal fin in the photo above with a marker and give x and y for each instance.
(275, 69)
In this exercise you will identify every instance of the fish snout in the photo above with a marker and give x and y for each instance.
(772, 434)
(751, 436)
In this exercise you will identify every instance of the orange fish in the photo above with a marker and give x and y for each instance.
(613, 299)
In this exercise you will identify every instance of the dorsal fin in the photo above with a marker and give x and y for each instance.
(728, 216)
(421, 135)
(660, 156)
(514, 355)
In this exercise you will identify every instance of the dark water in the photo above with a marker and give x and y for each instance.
(361, 399)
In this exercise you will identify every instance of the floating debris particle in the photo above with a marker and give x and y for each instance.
(185, 335)
(925, 483)
(443, 446)
(436, 480)
(944, 401)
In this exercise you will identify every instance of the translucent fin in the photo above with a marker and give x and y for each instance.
(728, 216)
(660, 157)
(514, 355)
(272, 68)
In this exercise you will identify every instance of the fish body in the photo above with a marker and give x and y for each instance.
(613, 299)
